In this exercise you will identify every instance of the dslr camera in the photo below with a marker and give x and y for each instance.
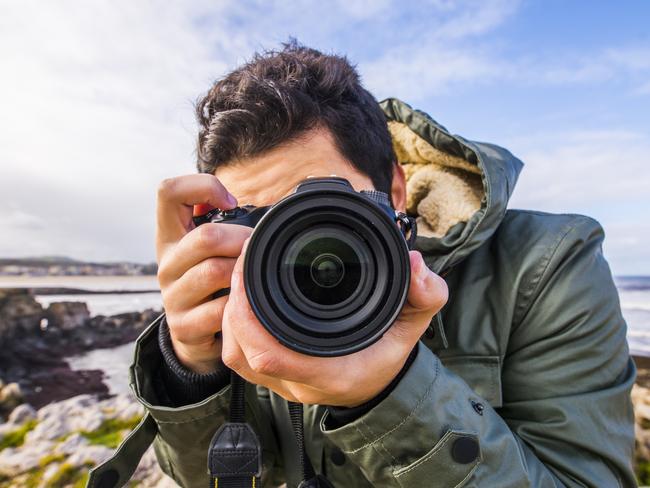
(327, 268)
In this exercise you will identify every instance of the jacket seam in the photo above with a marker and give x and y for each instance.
(392, 460)
(411, 413)
(432, 453)
(544, 263)
(186, 421)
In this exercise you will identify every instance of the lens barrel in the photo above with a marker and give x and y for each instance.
(327, 269)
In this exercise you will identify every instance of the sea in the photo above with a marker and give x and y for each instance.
(141, 292)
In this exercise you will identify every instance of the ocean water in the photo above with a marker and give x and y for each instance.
(109, 304)
(634, 293)
(105, 304)
(114, 362)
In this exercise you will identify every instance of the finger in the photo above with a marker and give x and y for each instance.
(427, 295)
(198, 325)
(262, 352)
(427, 291)
(199, 283)
(206, 241)
(176, 198)
(234, 358)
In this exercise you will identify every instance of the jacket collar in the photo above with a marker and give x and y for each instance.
(458, 189)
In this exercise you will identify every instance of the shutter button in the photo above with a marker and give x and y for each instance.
(464, 450)
(337, 456)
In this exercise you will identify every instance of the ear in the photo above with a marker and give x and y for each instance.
(398, 188)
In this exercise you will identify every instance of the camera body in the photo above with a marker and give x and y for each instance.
(327, 268)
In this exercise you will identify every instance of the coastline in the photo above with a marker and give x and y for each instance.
(61, 409)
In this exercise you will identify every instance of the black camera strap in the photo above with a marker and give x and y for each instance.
(235, 452)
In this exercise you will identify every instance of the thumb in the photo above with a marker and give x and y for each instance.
(428, 292)
(427, 295)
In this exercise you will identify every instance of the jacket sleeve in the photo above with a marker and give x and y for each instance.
(184, 432)
(567, 417)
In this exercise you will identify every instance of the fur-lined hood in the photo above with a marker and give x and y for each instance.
(458, 189)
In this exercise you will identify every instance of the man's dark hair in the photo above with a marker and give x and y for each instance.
(279, 96)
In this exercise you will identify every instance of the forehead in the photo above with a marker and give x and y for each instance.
(265, 179)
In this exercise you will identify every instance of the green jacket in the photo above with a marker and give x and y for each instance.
(529, 358)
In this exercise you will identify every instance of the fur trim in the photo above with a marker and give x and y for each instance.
(442, 190)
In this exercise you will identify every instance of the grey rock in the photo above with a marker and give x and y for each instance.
(72, 444)
(67, 315)
(89, 455)
(14, 461)
(21, 414)
(20, 314)
(10, 398)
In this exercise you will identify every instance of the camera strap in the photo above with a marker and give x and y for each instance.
(235, 452)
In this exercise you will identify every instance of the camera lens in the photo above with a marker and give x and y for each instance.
(317, 262)
(327, 270)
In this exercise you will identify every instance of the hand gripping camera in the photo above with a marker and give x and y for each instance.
(327, 268)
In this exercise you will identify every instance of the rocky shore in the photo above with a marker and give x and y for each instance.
(56, 446)
(36, 340)
(56, 423)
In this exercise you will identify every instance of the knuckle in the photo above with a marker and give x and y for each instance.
(166, 187)
(168, 303)
(212, 269)
(207, 235)
(173, 322)
(265, 363)
(163, 274)
(178, 327)
(231, 357)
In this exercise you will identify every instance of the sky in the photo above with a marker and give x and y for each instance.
(96, 102)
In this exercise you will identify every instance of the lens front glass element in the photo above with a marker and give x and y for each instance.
(326, 265)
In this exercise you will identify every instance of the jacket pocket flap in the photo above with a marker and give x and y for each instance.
(481, 373)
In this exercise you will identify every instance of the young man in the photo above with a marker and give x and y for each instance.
(508, 366)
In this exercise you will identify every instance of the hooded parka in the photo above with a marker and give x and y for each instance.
(522, 380)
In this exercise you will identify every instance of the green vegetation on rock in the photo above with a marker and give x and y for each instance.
(68, 475)
(50, 458)
(111, 432)
(15, 438)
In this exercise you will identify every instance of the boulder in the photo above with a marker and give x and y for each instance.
(67, 315)
(10, 398)
(21, 414)
(20, 314)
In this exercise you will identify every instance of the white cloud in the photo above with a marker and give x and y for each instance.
(97, 103)
(601, 173)
(443, 53)
(99, 98)
(583, 169)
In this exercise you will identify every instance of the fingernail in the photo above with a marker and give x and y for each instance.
(232, 201)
